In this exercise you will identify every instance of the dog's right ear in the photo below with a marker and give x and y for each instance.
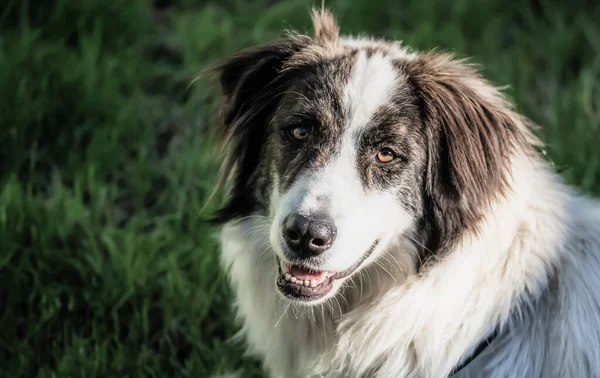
(251, 84)
(246, 75)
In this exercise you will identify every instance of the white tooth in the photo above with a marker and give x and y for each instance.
(288, 277)
(306, 283)
(293, 279)
(313, 283)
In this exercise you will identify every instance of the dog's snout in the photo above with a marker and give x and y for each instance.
(308, 236)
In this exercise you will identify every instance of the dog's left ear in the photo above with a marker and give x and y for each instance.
(472, 134)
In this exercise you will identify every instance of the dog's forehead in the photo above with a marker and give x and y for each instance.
(353, 90)
(371, 86)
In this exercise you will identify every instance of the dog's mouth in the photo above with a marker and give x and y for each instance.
(305, 284)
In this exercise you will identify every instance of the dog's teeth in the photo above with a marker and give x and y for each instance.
(289, 277)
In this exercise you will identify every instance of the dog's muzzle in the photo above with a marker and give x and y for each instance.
(306, 284)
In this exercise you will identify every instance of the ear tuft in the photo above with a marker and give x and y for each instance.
(325, 27)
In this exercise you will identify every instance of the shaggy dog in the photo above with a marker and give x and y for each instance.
(389, 215)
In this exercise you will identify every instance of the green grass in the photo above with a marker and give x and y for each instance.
(107, 268)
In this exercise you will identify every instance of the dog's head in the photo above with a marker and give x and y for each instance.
(347, 145)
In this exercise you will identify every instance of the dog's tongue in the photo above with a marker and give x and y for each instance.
(304, 274)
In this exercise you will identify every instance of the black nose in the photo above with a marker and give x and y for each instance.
(308, 236)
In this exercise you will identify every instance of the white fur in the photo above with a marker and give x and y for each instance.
(533, 268)
(372, 83)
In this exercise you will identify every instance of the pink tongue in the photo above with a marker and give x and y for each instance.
(304, 274)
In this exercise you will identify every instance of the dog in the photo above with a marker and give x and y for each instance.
(390, 214)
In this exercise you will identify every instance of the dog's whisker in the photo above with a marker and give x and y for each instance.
(262, 233)
(389, 263)
(360, 283)
(337, 301)
(378, 276)
(369, 276)
(265, 246)
(383, 267)
(323, 316)
(400, 268)
(258, 216)
(414, 240)
(254, 229)
(346, 300)
(330, 307)
(282, 314)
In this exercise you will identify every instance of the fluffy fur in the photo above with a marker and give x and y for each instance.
(472, 229)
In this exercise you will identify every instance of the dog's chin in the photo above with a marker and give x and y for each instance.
(310, 286)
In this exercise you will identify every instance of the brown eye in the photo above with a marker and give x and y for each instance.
(385, 155)
(299, 133)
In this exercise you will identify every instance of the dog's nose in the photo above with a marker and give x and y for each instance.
(308, 236)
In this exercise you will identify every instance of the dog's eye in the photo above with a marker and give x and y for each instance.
(385, 155)
(300, 134)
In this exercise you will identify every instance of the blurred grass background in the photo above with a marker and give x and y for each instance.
(106, 266)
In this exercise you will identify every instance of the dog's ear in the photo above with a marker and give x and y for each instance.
(252, 82)
(251, 86)
(472, 134)
(246, 75)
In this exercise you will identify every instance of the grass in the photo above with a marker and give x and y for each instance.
(107, 268)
